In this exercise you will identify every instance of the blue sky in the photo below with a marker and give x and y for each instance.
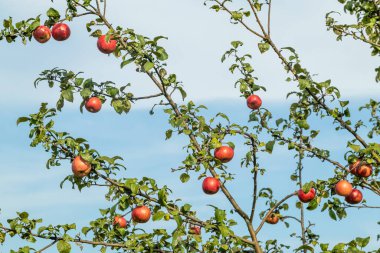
(197, 39)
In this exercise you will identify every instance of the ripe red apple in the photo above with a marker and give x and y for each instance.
(42, 34)
(361, 169)
(343, 188)
(141, 214)
(355, 197)
(93, 104)
(106, 47)
(195, 230)
(254, 102)
(120, 221)
(210, 185)
(306, 197)
(354, 166)
(80, 167)
(272, 219)
(61, 32)
(224, 154)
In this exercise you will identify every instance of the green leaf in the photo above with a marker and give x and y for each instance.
(68, 95)
(63, 247)
(22, 119)
(148, 66)
(263, 47)
(269, 146)
(158, 216)
(126, 62)
(332, 214)
(184, 177)
(53, 14)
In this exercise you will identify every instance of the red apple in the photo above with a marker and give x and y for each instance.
(93, 104)
(354, 166)
(355, 197)
(343, 188)
(42, 34)
(272, 219)
(306, 197)
(120, 221)
(224, 154)
(361, 169)
(106, 47)
(210, 185)
(141, 214)
(80, 167)
(61, 32)
(195, 230)
(254, 102)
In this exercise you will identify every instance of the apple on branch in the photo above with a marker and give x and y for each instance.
(306, 197)
(141, 214)
(80, 167)
(343, 188)
(61, 32)
(224, 154)
(106, 47)
(254, 102)
(42, 34)
(210, 185)
(120, 221)
(93, 104)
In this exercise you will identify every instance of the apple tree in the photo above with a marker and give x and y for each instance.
(141, 200)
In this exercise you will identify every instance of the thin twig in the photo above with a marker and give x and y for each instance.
(272, 209)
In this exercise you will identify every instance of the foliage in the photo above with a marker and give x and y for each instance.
(312, 99)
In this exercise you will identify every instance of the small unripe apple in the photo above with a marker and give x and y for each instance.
(61, 32)
(355, 197)
(141, 214)
(195, 230)
(120, 221)
(42, 34)
(254, 102)
(80, 167)
(93, 104)
(105, 46)
(272, 219)
(343, 188)
(306, 197)
(224, 154)
(210, 185)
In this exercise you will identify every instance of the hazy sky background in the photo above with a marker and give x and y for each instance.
(197, 39)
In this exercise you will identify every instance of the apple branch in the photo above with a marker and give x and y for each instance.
(272, 209)
(300, 168)
(266, 36)
(222, 5)
(47, 246)
(194, 141)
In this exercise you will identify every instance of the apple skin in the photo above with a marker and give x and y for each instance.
(361, 169)
(60, 32)
(254, 102)
(210, 185)
(195, 230)
(80, 167)
(272, 219)
(306, 197)
(106, 47)
(355, 197)
(120, 222)
(42, 34)
(343, 188)
(141, 214)
(224, 154)
(93, 104)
